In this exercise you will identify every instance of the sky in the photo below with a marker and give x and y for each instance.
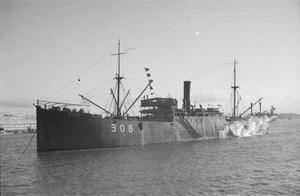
(55, 50)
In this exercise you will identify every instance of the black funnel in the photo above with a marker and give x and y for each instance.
(186, 96)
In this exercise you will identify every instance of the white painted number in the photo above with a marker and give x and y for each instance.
(113, 127)
(122, 128)
(130, 129)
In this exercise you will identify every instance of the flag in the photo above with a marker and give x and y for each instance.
(150, 80)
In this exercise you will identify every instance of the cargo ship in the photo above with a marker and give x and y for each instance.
(61, 127)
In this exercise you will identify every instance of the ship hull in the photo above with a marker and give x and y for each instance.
(58, 130)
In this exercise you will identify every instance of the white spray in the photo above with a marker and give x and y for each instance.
(246, 127)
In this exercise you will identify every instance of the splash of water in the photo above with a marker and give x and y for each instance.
(249, 126)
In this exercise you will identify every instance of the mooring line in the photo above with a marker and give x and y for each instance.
(29, 142)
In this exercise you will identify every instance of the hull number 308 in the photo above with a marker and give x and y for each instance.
(123, 128)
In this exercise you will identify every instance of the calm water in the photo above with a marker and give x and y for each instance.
(257, 165)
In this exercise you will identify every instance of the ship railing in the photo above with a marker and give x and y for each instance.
(61, 106)
(198, 114)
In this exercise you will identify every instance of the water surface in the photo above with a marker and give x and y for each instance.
(257, 165)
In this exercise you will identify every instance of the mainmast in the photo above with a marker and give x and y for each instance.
(118, 78)
(234, 89)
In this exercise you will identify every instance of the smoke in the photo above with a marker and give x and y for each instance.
(253, 125)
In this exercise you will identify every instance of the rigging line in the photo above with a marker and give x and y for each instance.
(240, 100)
(129, 102)
(244, 105)
(110, 105)
(127, 47)
(98, 61)
(231, 103)
(246, 91)
(212, 87)
(106, 104)
(29, 142)
(61, 89)
(133, 108)
(123, 87)
(245, 78)
(110, 102)
(80, 75)
(136, 59)
(228, 100)
(136, 80)
(98, 86)
(75, 96)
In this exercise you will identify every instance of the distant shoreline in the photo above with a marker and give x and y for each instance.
(18, 123)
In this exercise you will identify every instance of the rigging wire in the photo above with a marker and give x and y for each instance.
(82, 73)
(61, 89)
(105, 107)
(246, 81)
(76, 93)
(212, 87)
(136, 80)
(98, 61)
(133, 108)
(111, 100)
(241, 100)
(125, 101)
(98, 87)
(246, 91)
(231, 103)
(110, 105)
(228, 101)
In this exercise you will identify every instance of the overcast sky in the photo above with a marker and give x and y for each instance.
(46, 46)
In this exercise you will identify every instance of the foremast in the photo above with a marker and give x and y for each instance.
(118, 78)
(117, 98)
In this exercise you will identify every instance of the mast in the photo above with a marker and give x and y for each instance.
(234, 89)
(118, 78)
(117, 98)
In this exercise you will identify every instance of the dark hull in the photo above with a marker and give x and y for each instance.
(58, 130)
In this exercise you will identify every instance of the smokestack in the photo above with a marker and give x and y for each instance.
(186, 96)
